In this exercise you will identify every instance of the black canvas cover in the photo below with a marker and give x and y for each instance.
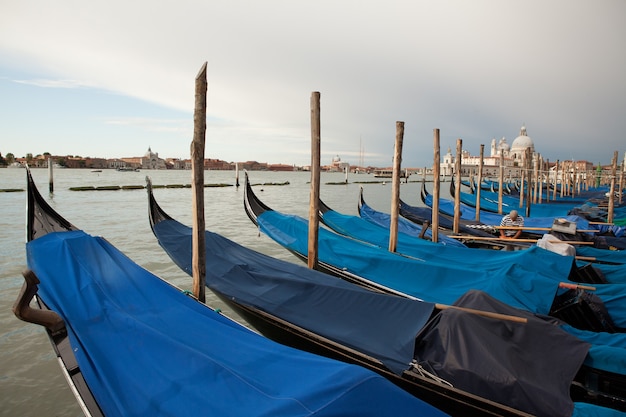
(454, 346)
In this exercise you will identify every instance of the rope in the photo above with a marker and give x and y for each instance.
(423, 372)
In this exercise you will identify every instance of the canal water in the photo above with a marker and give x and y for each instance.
(31, 383)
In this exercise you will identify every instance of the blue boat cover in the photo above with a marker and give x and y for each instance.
(146, 349)
(383, 220)
(418, 277)
(380, 325)
(520, 283)
(468, 212)
(489, 202)
(533, 259)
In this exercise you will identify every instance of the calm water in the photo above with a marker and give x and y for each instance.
(31, 383)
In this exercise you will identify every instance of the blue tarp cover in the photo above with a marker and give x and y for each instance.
(145, 349)
(541, 215)
(381, 325)
(430, 281)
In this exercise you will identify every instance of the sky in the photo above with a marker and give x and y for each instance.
(111, 79)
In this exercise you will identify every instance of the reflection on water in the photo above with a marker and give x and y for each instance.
(30, 381)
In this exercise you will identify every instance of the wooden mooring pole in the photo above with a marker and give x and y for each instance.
(395, 187)
(457, 187)
(197, 185)
(50, 175)
(480, 181)
(609, 217)
(501, 181)
(315, 181)
(436, 167)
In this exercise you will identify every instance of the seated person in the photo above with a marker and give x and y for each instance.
(511, 219)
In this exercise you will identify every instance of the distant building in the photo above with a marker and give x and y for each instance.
(281, 167)
(150, 160)
(513, 158)
(337, 165)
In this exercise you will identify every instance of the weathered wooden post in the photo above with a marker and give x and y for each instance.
(564, 180)
(527, 163)
(540, 179)
(535, 179)
(50, 175)
(556, 179)
(609, 218)
(457, 188)
(500, 181)
(480, 181)
(436, 167)
(395, 187)
(197, 196)
(314, 203)
(522, 186)
(621, 182)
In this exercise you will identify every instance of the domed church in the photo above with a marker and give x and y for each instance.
(517, 150)
(514, 157)
(520, 144)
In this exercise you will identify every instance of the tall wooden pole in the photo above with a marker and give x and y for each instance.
(621, 183)
(50, 175)
(547, 169)
(480, 181)
(609, 218)
(540, 180)
(500, 181)
(556, 180)
(536, 179)
(436, 166)
(197, 197)
(314, 201)
(527, 163)
(457, 188)
(564, 181)
(395, 188)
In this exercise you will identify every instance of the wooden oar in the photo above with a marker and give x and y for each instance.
(586, 258)
(483, 313)
(547, 229)
(504, 239)
(571, 286)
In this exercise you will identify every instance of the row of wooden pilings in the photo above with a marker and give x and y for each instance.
(197, 156)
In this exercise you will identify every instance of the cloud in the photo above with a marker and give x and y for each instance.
(53, 83)
(476, 70)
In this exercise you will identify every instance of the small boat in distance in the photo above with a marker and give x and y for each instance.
(127, 169)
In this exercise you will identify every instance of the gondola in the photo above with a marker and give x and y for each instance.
(487, 218)
(593, 265)
(131, 344)
(604, 239)
(522, 286)
(489, 202)
(423, 233)
(377, 232)
(412, 220)
(314, 311)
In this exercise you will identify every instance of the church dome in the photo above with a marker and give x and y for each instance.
(522, 142)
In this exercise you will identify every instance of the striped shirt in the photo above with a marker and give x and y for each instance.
(507, 221)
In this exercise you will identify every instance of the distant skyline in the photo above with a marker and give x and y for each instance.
(110, 80)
